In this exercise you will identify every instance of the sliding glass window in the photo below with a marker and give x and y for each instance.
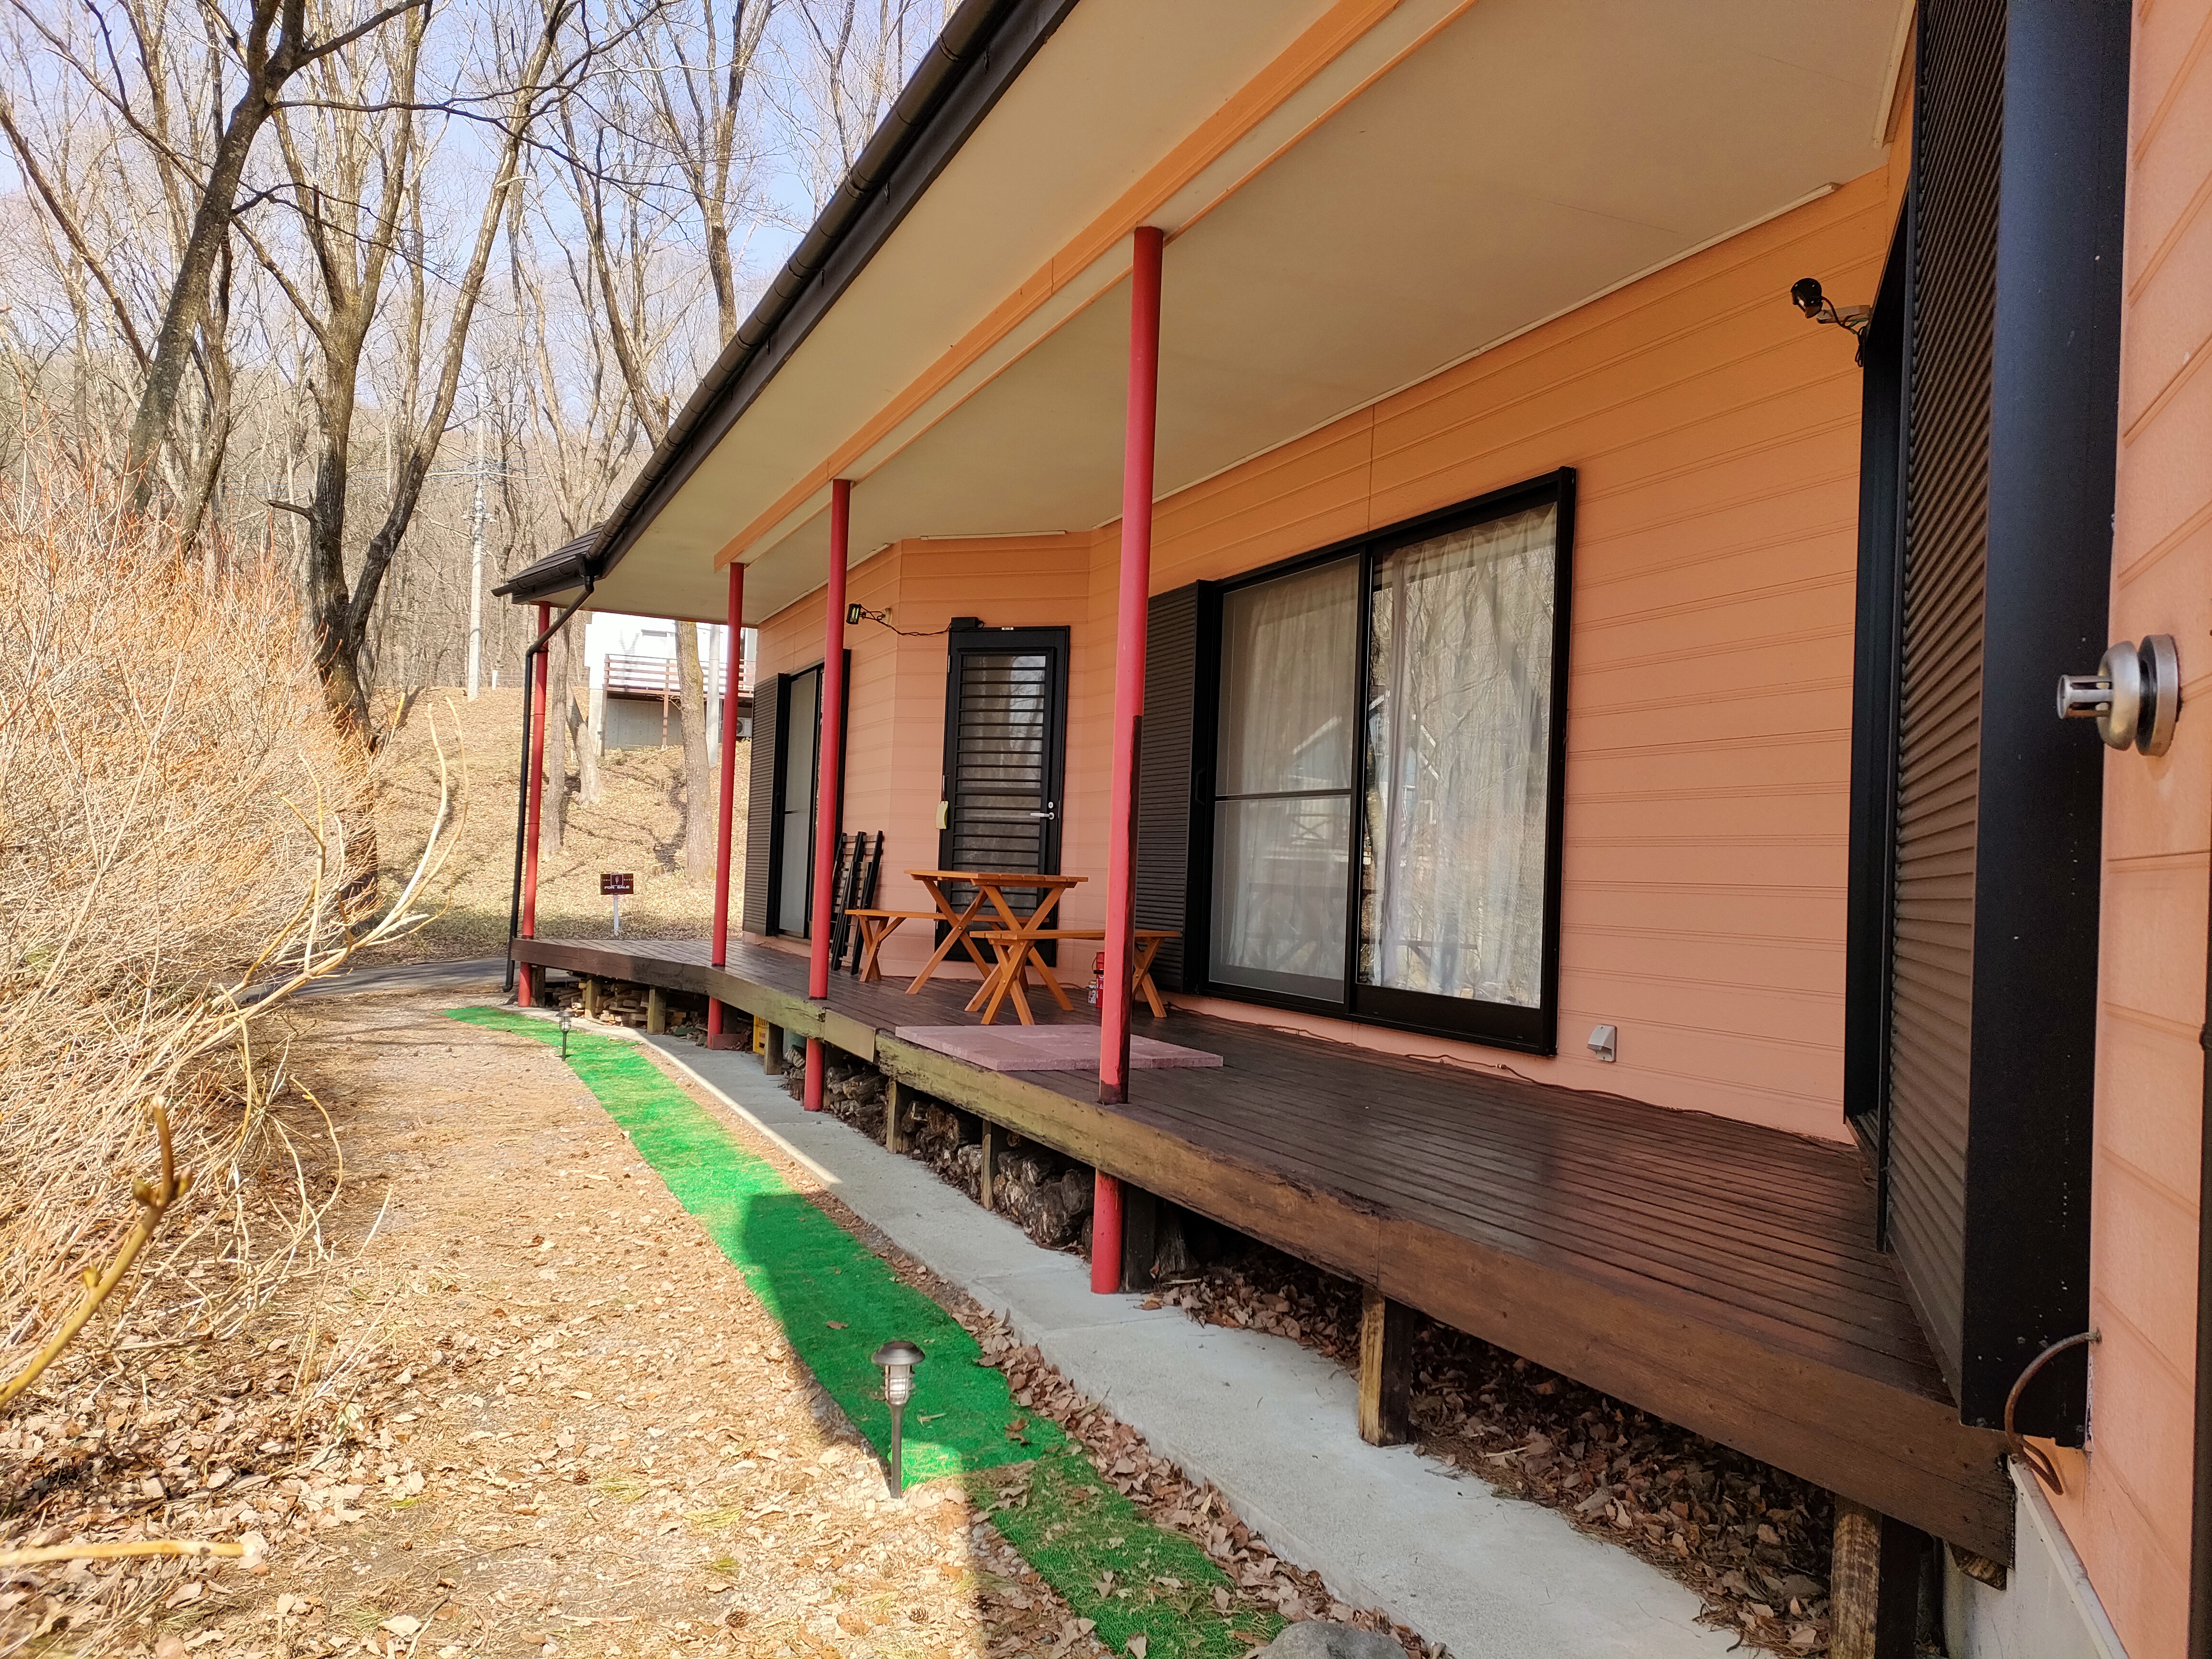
(1290, 653)
(1386, 779)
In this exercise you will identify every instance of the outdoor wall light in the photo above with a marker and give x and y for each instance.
(1805, 294)
(898, 1360)
(2135, 696)
(565, 1017)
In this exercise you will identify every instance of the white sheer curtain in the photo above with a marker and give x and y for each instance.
(1459, 724)
(1283, 781)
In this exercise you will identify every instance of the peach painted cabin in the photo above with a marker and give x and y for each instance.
(1553, 629)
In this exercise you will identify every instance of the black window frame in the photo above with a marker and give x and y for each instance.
(1498, 1025)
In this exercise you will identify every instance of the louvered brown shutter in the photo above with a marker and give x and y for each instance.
(1960, 116)
(760, 802)
(1163, 778)
(2019, 177)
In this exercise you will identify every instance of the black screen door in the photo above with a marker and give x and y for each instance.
(798, 747)
(1005, 741)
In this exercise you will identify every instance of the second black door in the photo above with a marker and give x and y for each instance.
(1006, 744)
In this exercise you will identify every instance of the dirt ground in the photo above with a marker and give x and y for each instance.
(582, 1434)
(525, 1408)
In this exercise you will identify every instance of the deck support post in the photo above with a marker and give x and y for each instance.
(894, 1104)
(1105, 1234)
(1874, 1585)
(1386, 1369)
(656, 1010)
(828, 782)
(591, 994)
(994, 1143)
(718, 1016)
(1137, 455)
(528, 979)
(817, 1075)
(1140, 1230)
(772, 1052)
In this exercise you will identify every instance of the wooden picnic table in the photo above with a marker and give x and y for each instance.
(963, 921)
(1017, 953)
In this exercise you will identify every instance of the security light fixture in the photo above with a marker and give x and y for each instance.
(1805, 294)
(898, 1359)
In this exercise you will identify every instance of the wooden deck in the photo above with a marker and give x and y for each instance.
(1719, 1274)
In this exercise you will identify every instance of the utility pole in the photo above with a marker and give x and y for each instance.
(475, 572)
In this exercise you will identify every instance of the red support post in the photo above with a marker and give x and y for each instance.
(525, 992)
(725, 808)
(1128, 696)
(1105, 1234)
(828, 783)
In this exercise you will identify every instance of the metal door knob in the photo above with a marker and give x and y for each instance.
(2135, 696)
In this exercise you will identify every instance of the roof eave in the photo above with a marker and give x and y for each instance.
(984, 46)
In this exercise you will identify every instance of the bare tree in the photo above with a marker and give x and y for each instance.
(169, 96)
(254, 256)
(357, 189)
(696, 87)
(698, 758)
(845, 64)
(269, 42)
(588, 725)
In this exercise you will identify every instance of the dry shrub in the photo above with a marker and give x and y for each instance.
(175, 802)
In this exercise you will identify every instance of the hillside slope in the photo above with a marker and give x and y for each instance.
(636, 826)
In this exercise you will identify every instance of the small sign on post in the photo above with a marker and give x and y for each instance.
(613, 887)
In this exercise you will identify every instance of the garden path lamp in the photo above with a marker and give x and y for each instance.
(898, 1360)
(564, 1033)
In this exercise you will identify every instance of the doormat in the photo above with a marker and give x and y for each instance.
(1043, 1047)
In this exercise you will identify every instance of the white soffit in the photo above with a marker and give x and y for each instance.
(1529, 156)
(1119, 84)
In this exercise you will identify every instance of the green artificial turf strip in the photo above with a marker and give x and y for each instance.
(1075, 1529)
(837, 1300)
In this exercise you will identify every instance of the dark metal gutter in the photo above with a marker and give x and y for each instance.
(2200, 1525)
(985, 45)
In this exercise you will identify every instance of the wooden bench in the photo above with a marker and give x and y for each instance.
(1017, 954)
(876, 927)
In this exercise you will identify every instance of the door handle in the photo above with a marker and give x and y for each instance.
(1052, 811)
(2134, 696)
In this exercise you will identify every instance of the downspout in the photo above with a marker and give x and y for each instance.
(522, 766)
(2200, 1525)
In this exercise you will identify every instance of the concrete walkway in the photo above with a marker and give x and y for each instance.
(473, 978)
(1270, 1423)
